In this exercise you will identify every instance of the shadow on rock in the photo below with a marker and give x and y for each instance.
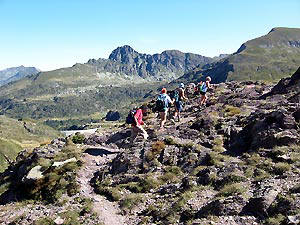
(99, 151)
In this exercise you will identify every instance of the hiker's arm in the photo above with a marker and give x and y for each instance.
(183, 95)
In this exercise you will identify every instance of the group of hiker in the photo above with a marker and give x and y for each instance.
(163, 103)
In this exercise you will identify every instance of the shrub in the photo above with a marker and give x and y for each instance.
(156, 149)
(78, 138)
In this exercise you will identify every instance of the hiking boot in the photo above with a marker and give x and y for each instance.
(173, 121)
(146, 136)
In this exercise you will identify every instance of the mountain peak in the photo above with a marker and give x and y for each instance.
(123, 54)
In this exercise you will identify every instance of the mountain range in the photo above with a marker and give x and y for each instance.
(270, 57)
(16, 73)
(127, 77)
(168, 65)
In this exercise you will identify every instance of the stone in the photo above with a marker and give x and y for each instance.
(112, 116)
(57, 164)
(34, 174)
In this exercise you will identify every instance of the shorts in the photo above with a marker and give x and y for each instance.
(179, 106)
(163, 110)
(202, 93)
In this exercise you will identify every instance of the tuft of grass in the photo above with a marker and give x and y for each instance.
(281, 167)
(232, 189)
(111, 193)
(71, 217)
(172, 174)
(216, 159)
(276, 220)
(131, 201)
(44, 221)
(231, 111)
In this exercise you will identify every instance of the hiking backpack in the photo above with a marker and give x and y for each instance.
(203, 87)
(161, 103)
(176, 96)
(130, 118)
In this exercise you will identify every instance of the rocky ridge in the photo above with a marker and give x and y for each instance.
(16, 73)
(235, 161)
(168, 65)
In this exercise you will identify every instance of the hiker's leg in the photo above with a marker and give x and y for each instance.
(202, 99)
(176, 112)
(163, 116)
(134, 133)
(205, 98)
(143, 132)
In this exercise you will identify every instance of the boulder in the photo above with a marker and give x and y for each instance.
(34, 174)
(112, 116)
(57, 164)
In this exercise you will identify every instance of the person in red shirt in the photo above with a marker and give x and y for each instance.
(136, 127)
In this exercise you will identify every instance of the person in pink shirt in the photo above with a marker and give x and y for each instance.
(136, 127)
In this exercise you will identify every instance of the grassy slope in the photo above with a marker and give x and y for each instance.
(77, 91)
(268, 58)
(14, 137)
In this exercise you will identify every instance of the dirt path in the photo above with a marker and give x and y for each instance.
(108, 211)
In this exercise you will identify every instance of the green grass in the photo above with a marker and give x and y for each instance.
(8, 150)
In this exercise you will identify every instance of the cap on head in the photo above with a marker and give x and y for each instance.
(181, 85)
(164, 90)
(208, 78)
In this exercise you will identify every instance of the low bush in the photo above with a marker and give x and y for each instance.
(78, 138)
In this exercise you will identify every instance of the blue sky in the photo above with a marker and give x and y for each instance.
(50, 34)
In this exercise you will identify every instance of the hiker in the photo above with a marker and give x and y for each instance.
(179, 96)
(203, 86)
(162, 104)
(136, 125)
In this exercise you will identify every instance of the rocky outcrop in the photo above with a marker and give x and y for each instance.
(290, 87)
(168, 65)
(112, 116)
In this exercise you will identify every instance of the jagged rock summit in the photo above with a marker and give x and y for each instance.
(168, 65)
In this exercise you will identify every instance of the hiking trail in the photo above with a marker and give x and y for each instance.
(108, 212)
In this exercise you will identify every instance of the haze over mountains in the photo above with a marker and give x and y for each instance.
(16, 73)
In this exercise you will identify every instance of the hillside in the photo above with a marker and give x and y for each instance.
(270, 57)
(16, 73)
(235, 161)
(19, 134)
(98, 86)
